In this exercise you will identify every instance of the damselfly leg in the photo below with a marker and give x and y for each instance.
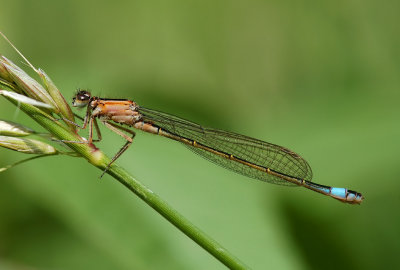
(91, 121)
(129, 140)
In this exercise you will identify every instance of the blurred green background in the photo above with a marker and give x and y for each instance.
(321, 78)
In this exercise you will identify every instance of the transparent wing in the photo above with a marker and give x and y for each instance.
(258, 152)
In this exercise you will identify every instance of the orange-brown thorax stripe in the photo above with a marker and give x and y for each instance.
(119, 111)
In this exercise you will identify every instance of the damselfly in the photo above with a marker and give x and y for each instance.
(247, 156)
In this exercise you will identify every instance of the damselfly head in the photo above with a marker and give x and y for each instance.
(81, 98)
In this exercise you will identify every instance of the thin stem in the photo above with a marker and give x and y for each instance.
(98, 159)
(179, 221)
(24, 160)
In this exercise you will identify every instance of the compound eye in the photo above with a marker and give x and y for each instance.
(83, 95)
(81, 98)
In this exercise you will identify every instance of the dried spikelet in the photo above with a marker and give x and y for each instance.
(8, 128)
(27, 146)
